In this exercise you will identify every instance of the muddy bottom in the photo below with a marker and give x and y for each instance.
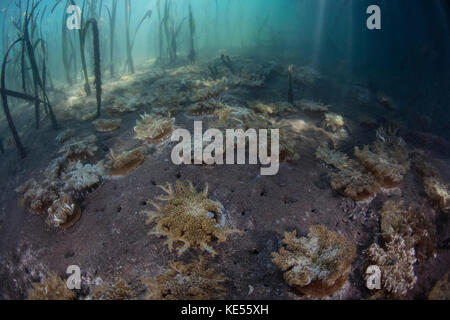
(110, 239)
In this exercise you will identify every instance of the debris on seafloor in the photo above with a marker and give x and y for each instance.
(79, 176)
(412, 225)
(386, 167)
(51, 288)
(116, 290)
(188, 217)
(350, 179)
(438, 192)
(396, 262)
(436, 189)
(66, 182)
(383, 165)
(124, 162)
(205, 107)
(313, 107)
(107, 125)
(317, 265)
(80, 148)
(334, 121)
(244, 118)
(193, 281)
(272, 109)
(153, 128)
(63, 213)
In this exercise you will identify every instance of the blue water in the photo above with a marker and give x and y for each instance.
(407, 59)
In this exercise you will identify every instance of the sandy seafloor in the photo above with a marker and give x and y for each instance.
(110, 240)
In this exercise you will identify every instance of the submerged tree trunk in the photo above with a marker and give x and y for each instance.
(65, 57)
(34, 68)
(131, 40)
(4, 96)
(112, 29)
(165, 23)
(160, 31)
(23, 67)
(97, 67)
(87, 87)
(192, 53)
(130, 62)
